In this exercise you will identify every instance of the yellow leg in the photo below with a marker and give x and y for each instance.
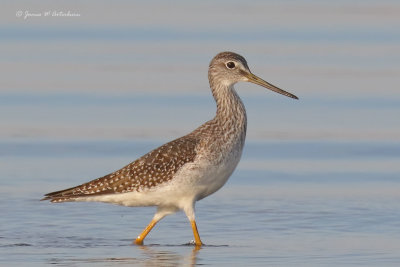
(196, 233)
(141, 237)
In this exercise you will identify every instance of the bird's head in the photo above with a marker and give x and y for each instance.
(228, 68)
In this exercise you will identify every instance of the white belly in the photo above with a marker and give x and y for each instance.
(193, 182)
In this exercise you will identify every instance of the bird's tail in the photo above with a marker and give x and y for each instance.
(65, 195)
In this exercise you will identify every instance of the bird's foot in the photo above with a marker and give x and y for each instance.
(194, 243)
(138, 241)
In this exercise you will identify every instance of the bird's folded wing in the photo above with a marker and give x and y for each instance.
(153, 169)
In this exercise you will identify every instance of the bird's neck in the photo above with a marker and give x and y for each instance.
(231, 113)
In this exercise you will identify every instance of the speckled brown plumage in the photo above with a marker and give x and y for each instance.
(152, 169)
(176, 175)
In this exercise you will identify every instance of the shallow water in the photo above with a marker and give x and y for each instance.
(299, 214)
(318, 184)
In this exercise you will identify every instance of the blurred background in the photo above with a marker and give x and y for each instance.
(137, 69)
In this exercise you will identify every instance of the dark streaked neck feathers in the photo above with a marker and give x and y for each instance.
(231, 113)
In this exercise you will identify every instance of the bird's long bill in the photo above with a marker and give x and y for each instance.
(254, 79)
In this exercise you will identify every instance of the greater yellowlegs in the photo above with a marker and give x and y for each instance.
(176, 175)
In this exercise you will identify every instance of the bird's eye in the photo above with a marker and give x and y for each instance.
(230, 65)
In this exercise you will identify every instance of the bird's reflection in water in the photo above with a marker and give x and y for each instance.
(156, 255)
(145, 255)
